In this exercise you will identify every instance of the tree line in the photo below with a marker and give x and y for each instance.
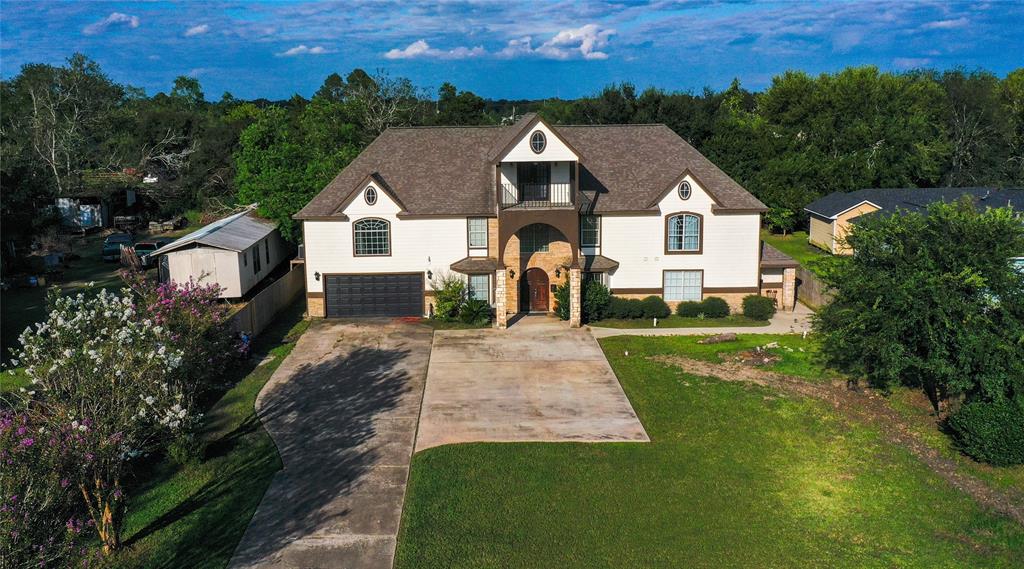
(802, 137)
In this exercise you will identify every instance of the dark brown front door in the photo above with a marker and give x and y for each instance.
(536, 290)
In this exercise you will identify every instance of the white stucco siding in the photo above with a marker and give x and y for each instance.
(730, 245)
(554, 150)
(417, 245)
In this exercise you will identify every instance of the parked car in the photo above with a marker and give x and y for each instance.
(112, 246)
(143, 249)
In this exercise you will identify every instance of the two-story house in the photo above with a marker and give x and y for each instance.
(519, 209)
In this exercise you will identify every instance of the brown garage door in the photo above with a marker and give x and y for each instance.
(385, 294)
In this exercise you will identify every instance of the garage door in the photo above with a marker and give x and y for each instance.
(390, 294)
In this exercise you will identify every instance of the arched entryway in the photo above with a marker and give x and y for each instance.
(534, 291)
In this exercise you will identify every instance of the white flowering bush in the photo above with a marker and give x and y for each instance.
(106, 376)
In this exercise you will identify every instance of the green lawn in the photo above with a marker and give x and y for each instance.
(735, 475)
(795, 245)
(675, 321)
(13, 381)
(194, 516)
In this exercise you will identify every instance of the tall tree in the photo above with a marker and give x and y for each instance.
(455, 108)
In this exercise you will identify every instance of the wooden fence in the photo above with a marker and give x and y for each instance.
(810, 290)
(259, 312)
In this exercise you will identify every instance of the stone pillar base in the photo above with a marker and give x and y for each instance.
(500, 295)
(575, 280)
(789, 289)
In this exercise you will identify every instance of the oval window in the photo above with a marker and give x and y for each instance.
(538, 141)
(685, 191)
(370, 196)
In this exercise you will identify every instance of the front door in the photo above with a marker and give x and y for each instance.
(536, 290)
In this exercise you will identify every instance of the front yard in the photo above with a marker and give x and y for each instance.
(676, 321)
(735, 475)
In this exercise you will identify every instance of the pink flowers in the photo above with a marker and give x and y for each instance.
(27, 441)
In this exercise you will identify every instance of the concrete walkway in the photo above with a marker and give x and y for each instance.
(342, 409)
(796, 322)
(537, 381)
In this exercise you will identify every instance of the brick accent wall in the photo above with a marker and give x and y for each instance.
(315, 307)
(558, 257)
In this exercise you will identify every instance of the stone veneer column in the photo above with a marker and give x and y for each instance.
(575, 278)
(789, 289)
(500, 310)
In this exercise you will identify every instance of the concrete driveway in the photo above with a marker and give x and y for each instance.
(342, 409)
(537, 381)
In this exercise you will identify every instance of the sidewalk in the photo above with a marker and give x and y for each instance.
(796, 322)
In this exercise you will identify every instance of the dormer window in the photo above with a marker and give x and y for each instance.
(538, 141)
(370, 195)
(685, 190)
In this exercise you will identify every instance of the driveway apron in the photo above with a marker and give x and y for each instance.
(343, 410)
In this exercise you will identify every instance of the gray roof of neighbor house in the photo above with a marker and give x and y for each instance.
(912, 199)
(450, 170)
(235, 232)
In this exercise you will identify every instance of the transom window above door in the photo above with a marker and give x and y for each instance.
(535, 238)
(371, 237)
(683, 233)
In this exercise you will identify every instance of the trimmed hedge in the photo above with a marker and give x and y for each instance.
(624, 308)
(758, 307)
(990, 432)
(710, 307)
(596, 299)
(654, 307)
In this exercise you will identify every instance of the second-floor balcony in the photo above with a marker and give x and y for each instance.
(543, 195)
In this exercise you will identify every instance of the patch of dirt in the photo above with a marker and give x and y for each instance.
(756, 358)
(864, 406)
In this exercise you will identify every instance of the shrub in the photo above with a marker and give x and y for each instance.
(991, 432)
(449, 296)
(618, 307)
(562, 300)
(690, 309)
(474, 311)
(715, 307)
(758, 307)
(596, 299)
(654, 307)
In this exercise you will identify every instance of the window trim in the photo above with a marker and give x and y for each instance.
(469, 278)
(387, 224)
(469, 233)
(543, 141)
(369, 192)
(597, 243)
(700, 234)
(689, 190)
(664, 272)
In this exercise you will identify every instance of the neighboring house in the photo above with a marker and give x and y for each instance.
(236, 252)
(521, 209)
(832, 216)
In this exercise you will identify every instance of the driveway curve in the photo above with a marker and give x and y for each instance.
(342, 409)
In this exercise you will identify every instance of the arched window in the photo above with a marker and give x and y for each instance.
(371, 237)
(538, 141)
(370, 195)
(684, 233)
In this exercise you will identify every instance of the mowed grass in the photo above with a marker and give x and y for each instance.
(675, 321)
(735, 476)
(194, 516)
(796, 246)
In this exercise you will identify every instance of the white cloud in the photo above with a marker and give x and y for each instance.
(420, 48)
(587, 40)
(197, 30)
(114, 19)
(904, 63)
(304, 50)
(946, 24)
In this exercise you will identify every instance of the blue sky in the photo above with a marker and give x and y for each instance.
(505, 49)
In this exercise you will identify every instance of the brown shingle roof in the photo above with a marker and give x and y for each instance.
(449, 170)
(469, 265)
(773, 258)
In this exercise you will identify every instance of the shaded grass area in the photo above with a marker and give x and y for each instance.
(194, 516)
(796, 246)
(735, 475)
(675, 321)
(455, 324)
(914, 406)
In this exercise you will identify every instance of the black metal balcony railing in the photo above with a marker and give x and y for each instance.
(536, 195)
